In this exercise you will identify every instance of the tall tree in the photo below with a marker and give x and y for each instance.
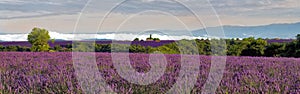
(297, 53)
(39, 40)
(254, 47)
(275, 49)
(298, 37)
(298, 41)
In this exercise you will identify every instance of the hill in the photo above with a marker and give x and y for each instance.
(283, 31)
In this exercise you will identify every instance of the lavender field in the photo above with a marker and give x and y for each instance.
(54, 73)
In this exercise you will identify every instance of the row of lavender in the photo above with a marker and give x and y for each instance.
(279, 40)
(54, 73)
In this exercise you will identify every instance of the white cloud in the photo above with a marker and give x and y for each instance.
(118, 36)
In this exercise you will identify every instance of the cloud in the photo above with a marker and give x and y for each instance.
(114, 36)
(137, 6)
(61, 15)
(175, 7)
(36, 8)
(266, 8)
(8, 15)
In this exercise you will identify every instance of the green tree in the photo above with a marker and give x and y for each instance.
(297, 52)
(234, 50)
(136, 39)
(52, 41)
(275, 50)
(218, 47)
(156, 39)
(119, 47)
(167, 50)
(83, 47)
(204, 47)
(22, 49)
(103, 47)
(171, 48)
(150, 49)
(2, 48)
(298, 41)
(254, 47)
(293, 48)
(201, 47)
(137, 49)
(11, 48)
(298, 38)
(290, 49)
(57, 48)
(39, 39)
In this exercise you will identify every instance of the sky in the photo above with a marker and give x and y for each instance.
(90, 16)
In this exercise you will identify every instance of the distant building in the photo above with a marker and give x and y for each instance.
(153, 39)
(150, 38)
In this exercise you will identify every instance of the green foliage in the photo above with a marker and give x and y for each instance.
(155, 39)
(179, 47)
(83, 47)
(297, 54)
(234, 50)
(136, 39)
(246, 47)
(14, 49)
(204, 47)
(23, 49)
(2, 48)
(103, 48)
(167, 50)
(254, 47)
(52, 51)
(235, 47)
(298, 38)
(40, 48)
(52, 41)
(119, 47)
(57, 48)
(187, 47)
(137, 49)
(171, 48)
(150, 49)
(291, 49)
(218, 47)
(123, 48)
(39, 39)
(11, 48)
(275, 50)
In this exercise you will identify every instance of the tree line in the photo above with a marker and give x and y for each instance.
(234, 47)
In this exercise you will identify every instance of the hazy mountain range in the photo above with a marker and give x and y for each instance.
(282, 31)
